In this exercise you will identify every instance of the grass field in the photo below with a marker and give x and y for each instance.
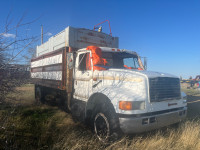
(27, 125)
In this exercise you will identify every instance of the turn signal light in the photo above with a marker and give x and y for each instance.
(125, 105)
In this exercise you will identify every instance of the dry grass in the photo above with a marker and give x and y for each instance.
(25, 125)
(184, 138)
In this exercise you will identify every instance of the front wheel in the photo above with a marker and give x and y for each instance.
(106, 123)
(101, 127)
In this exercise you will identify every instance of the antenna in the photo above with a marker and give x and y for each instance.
(41, 34)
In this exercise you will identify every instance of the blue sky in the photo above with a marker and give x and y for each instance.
(167, 32)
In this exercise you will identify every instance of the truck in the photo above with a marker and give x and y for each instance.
(105, 87)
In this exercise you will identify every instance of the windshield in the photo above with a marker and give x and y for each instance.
(121, 60)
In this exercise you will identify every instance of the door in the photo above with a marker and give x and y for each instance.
(83, 76)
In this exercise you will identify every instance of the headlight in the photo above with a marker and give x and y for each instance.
(131, 105)
(125, 105)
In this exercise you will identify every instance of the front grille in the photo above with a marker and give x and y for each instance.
(164, 88)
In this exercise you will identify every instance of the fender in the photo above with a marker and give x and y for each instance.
(116, 94)
(94, 101)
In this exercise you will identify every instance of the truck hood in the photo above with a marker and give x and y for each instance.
(147, 74)
(131, 85)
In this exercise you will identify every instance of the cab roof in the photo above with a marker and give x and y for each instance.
(109, 49)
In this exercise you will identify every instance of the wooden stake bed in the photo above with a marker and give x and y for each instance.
(50, 69)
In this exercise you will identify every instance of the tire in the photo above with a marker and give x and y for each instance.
(39, 94)
(101, 127)
(63, 102)
(106, 123)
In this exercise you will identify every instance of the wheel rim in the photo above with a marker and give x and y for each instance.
(101, 126)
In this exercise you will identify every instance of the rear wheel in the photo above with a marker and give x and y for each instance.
(63, 102)
(39, 94)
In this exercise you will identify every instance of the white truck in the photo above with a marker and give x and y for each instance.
(115, 97)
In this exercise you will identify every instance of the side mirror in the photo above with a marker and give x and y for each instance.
(70, 60)
(144, 62)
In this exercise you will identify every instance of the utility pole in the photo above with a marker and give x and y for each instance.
(41, 34)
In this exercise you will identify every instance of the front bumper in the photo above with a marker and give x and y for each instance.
(137, 124)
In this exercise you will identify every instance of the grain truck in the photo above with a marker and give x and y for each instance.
(105, 87)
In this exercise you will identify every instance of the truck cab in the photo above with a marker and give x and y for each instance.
(138, 100)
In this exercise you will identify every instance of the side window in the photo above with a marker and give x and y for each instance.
(131, 62)
(84, 62)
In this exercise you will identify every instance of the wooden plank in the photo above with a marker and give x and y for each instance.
(48, 68)
(50, 54)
